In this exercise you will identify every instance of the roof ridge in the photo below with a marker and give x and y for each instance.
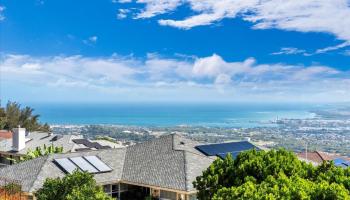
(37, 174)
(122, 174)
(185, 169)
(319, 154)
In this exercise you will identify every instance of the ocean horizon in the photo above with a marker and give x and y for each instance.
(243, 115)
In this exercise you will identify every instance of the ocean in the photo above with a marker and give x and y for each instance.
(171, 114)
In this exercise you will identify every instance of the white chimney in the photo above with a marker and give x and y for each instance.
(19, 139)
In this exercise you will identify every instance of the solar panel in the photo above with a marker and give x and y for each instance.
(66, 165)
(83, 164)
(223, 148)
(101, 166)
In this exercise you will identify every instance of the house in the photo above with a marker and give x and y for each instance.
(164, 168)
(17, 143)
(318, 157)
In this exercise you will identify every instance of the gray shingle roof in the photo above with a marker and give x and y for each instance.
(33, 173)
(39, 139)
(26, 172)
(168, 162)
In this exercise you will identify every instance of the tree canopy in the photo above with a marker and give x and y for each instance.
(13, 115)
(268, 175)
(76, 186)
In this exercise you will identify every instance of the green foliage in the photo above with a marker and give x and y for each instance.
(12, 188)
(76, 186)
(271, 175)
(13, 116)
(38, 151)
(47, 150)
(106, 138)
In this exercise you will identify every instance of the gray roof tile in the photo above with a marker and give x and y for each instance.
(168, 162)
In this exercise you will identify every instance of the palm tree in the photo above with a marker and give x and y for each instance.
(13, 116)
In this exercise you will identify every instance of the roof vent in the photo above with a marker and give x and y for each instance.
(182, 143)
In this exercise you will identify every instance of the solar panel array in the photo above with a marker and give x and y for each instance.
(91, 164)
(222, 149)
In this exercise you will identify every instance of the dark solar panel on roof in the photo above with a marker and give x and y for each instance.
(224, 148)
(90, 144)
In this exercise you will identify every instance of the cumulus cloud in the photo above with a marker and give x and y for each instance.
(297, 15)
(157, 77)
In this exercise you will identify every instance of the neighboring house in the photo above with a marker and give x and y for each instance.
(17, 143)
(164, 168)
(318, 157)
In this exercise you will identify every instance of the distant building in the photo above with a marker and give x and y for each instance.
(163, 168)
(318, 157)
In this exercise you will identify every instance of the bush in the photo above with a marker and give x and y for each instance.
(76, 186)
(275, 174)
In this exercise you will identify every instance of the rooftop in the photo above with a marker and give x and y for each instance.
(170, 162)
(39, 139)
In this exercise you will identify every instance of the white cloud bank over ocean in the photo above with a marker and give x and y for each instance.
(156, 78)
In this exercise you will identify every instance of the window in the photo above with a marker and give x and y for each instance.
(166, 195)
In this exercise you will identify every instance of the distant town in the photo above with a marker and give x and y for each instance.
(322, 133)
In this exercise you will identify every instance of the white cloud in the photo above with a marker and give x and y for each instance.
(2, 16)
(333, 48)
(122, 13)
(297, 15)
(289, 51)
(156, 77)
(153, 7)
(91, 40)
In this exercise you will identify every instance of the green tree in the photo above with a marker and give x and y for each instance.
(2, 118)
(275, 174)
(13, 116)
(76, 186)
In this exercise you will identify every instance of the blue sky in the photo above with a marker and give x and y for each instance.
(172, 50)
